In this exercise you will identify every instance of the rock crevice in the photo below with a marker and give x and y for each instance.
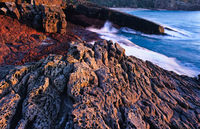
(49, 18)
(97, 86)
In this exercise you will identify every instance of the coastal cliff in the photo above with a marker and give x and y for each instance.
(152, 4)
(52, 77)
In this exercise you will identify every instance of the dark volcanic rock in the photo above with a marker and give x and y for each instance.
(97, 86)
(85, 12)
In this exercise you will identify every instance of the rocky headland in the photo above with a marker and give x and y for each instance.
(51, 77)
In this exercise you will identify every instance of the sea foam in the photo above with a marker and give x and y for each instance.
(108, 32)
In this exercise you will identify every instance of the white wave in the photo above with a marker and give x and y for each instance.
(108, 32)
(172, 34)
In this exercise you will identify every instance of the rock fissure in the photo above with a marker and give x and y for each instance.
(88, 88)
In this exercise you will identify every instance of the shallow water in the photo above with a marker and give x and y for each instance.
(178, 51)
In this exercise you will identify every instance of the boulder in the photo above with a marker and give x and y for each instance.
(53, 19)
(50, 19)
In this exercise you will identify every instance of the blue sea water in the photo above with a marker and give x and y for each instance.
(179, 51)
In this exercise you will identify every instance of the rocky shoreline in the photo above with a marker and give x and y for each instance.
(187, 5)
(51, 76)
(97, 86)
(29, 32)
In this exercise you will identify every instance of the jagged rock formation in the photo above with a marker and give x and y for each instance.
(97, 86)
(152, 4)
(89, 14)
(49, 18)
(52, 19)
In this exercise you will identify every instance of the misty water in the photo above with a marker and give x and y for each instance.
(178, 51)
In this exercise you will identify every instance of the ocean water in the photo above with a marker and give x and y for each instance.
(178, 51)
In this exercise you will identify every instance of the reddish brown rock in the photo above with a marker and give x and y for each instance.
(20, 44)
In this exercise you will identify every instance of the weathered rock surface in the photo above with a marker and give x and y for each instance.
(97, 86)
(49, 18)
(54, 20)
(20, 44)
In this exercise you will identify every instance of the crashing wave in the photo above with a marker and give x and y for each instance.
(108, 32)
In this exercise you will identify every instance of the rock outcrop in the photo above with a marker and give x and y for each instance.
(52, 19)
(97, 86)
(49, 18)
(89, 14)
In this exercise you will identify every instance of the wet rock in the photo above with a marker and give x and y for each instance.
(89, 14)
(97, 86)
